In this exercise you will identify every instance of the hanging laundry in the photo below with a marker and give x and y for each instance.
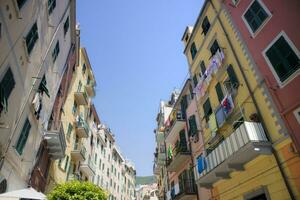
(201, 164)
(37, 104)
(213, 123)
(227, 104)
(220, 116)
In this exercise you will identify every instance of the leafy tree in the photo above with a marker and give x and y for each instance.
(75, 190)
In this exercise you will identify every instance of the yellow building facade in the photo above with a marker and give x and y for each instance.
(241, 133)
(76, 127)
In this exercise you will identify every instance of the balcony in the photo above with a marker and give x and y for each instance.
(81, 129)
(78, 152)
(73, 177)
(187, 190)
(243, 145)
(88, 168)
(176, 125)
(56, 143)
(181, 155)
(81, 98)
(89, 87)
(156, 169)
(160, 137)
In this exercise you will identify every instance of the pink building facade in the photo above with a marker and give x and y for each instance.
(270, 32)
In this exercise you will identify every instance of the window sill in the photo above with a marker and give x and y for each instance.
(284, 83)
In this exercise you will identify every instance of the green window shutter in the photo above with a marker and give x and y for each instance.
(219, 92)
(66, 163)
(205, 25)
(83, 68)
(20, 3)
(74, 109)
(55, 51)
(255, 15)
(207, 109)
(79, 86)
(195, 80)
(66, 25)
(193, 50)
(70, 128)
(214, 47)
(232, 76)
(283, 59)
(23, 137)
(7, 85)
(202, 67)
(51, 6)
(43, 86)
(183, 106)
(31, 38)
(192, 125)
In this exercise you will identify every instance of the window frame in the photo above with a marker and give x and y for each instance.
(66, 28)
(21, 131)
(296, 51)
(55, 51)
(50, 7)
(297, 114)
(254, 34)
(193, 45)
(28, 52)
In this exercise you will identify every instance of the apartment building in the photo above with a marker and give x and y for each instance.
(37, 39)
(146, 192)
(242, 135)
(272, 43)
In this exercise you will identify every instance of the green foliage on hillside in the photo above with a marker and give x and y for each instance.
(145, 180)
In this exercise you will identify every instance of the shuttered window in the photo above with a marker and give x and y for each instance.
(21, 3)
(202, 67)
(66, 25)
(195, 80)
(55, 51)
(255, 15)
(74, 109)
(183, 105)
(43, 86)
(205, 25)
(83, 68)
(51, 6)
(283, 59)
(66, 163)
(232, 76)
(193, 126)
(23, 137)
(70, 128)
(193, 50)
(31, 38)
(7, 85)
(207, 109)
(79, 86)
(214, 47)
(219, 92)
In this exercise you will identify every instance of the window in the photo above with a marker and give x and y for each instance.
(232, 77)
(238, 123)
(66, 25)
(43, 86)
(7, 84)
(283, 58)
(219, 92)
(195, 80)
(297, 114)
(205, 25)
(214, 47)
(23, 137)
(255, 15)
(79, 86)
(235, 2)
(202, 68)
(193, 50)
(55, 51)
(66, 163)
(193, 126)
(70, 128)
(21, 3)
(83, 68)
(31, 38)
(51, 6)
(74, 109)
(207, 109)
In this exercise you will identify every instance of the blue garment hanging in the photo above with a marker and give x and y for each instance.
(201, 164)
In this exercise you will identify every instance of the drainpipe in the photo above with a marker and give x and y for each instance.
(255, 104)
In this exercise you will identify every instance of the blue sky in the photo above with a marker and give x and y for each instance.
(136, 53)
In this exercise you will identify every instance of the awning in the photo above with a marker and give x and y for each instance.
(28, 193)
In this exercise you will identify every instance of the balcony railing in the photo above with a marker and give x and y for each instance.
(175, 125)
(90, 88)
(88, 167)
(246, 143)
(78, 152)
(82, 129)
(81, 98)
(181, 155)
(56, 142)
(187, 190)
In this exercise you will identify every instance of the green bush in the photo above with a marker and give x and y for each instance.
(76, 190)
